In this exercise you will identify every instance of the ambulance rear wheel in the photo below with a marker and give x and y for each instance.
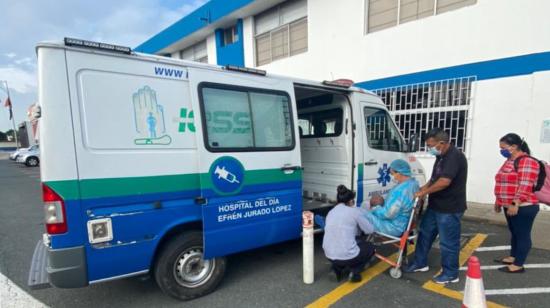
(181, 271)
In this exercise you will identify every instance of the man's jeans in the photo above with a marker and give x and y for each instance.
(448, 228)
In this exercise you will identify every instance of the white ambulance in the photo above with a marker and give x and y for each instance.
(152, 165)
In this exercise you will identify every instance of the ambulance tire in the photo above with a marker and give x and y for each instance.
(181, 272)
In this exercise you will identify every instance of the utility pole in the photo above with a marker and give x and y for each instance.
(12, 116)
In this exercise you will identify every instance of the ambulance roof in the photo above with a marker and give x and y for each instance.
(127, 53)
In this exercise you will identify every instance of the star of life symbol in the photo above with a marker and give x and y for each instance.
(384, 175)
(225, 175)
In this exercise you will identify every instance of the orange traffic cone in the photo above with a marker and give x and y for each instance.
(474, 292)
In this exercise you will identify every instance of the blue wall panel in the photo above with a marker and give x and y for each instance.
(210, 12)
(505, 67)
(233, 53)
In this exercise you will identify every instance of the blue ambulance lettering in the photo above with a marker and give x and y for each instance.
(168, 72)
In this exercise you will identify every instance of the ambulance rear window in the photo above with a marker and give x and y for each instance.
(320, 124)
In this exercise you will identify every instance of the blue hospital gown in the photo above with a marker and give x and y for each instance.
(392, 218)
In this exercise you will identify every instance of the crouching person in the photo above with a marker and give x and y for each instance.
(342, 242)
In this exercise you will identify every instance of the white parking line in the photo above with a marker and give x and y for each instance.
(494, 267)
(493, 248)
(13, 296)
(517, 291)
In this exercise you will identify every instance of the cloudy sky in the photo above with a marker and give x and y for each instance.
(26, 22)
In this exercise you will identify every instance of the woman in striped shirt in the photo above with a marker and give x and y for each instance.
(515, 181)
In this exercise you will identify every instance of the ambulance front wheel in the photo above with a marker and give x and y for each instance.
(181, 271)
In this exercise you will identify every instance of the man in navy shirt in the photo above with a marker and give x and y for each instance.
(447, 203)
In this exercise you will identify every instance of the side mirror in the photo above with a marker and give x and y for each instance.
(36, 112)
(413, 144)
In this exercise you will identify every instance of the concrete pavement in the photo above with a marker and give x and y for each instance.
(254, 278)
(485, 213)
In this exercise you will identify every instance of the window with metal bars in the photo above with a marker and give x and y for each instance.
(417, 108)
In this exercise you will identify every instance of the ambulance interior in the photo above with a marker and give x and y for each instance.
(326, 140)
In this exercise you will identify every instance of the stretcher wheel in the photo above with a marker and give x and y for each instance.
(395, 273)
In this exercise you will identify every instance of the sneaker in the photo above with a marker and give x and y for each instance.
(355, 278)
(413, 268)
(444, 279)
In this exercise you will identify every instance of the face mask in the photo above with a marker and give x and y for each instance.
(434, 151)
(506, 153)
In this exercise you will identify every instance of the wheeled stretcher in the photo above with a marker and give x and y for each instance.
(408, 237)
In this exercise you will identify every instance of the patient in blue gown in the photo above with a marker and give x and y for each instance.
(391, 216)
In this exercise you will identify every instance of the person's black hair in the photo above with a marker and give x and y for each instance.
(344, 195)
(438, 134)
(515, 139)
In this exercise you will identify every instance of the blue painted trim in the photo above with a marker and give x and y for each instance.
(210, 12)
(505, 67)
(232, 53)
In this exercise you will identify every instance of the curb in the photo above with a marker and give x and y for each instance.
(485, 220)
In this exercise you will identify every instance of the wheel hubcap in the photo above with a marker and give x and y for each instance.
(191, 270)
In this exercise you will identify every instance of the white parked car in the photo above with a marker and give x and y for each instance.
(14, 155)
(30, 158)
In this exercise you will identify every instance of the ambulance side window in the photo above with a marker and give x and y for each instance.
(381, 132)
(242, 119)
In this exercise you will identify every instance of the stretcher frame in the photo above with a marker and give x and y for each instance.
(408, 236)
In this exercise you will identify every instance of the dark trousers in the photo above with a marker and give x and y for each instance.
(447, 225)
(357, 264)
(520, 227)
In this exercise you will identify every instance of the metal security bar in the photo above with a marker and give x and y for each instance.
(417, 108)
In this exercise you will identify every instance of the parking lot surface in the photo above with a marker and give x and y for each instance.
(266, 277)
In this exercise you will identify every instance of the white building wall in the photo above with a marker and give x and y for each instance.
(211, 49)
(176, 55)
(488, 30)
(248, 43)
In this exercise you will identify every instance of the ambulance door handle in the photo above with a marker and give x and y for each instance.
(346, 126)
(288, 168)
(200, 200)
(371, 162)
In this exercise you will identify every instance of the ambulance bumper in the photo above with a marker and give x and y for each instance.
(62, 268)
